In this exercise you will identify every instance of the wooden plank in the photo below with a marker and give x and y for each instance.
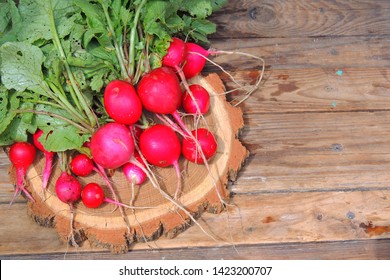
(316, 151)
(324, 52)
(377, 249)
(6, 188)
(314, 90)
(255, 219)
(284, 18)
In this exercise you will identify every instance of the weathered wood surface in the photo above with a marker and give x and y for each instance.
(316, 185)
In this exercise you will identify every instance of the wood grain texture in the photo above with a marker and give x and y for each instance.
(300, 18)
(316, 184)
(255, 219)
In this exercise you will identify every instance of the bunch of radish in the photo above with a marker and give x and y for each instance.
(129, 143)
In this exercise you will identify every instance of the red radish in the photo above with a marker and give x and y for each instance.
(175, 58)
(161, 147)
(194, 62)
(201, 98)
(68, 188)
(160, 91)
(92, 195)
(112, 145)
(208, 145)
(21, 155)
(122, 102)
(49, 156)
(176, 54)
(134, 174)
(81, 165)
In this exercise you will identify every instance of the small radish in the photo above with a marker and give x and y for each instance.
(21, 155)
(208, 145)
(93, 196)
(81, 165)
(176, 54)
(49, 156)
(161, 147)
(68, 188)
(160, 91)
(134, 174)
(122, 102)
(201, 98)
(112, 145)
(195, 60)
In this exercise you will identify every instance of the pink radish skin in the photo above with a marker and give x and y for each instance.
(49, 156)
(176, 54)
(68, 188)
(22, 155)
(134, 174)
(112, 145)
(122, 102)
(201, 97)
(161, 147)
(194, 62)
(81, 165)
(207, 143)
(160, 91)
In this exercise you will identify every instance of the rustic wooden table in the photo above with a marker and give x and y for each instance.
(316, 185)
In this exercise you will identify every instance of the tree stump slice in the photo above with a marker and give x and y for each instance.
(106, 227)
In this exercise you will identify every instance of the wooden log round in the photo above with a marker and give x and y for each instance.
(106, 227)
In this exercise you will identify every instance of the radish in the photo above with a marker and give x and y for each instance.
(176, 54)
(194, 62)
(49, 156)
(81, 165)
(176, 58)
(134, 174)
(21, 155)
(161, 147)
(93, 196)
(68, 190)
(112, 145)
(207, 143)
(160, 91)
(201, 98)
(122, 102)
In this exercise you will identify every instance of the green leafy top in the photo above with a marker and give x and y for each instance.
(57, 55)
